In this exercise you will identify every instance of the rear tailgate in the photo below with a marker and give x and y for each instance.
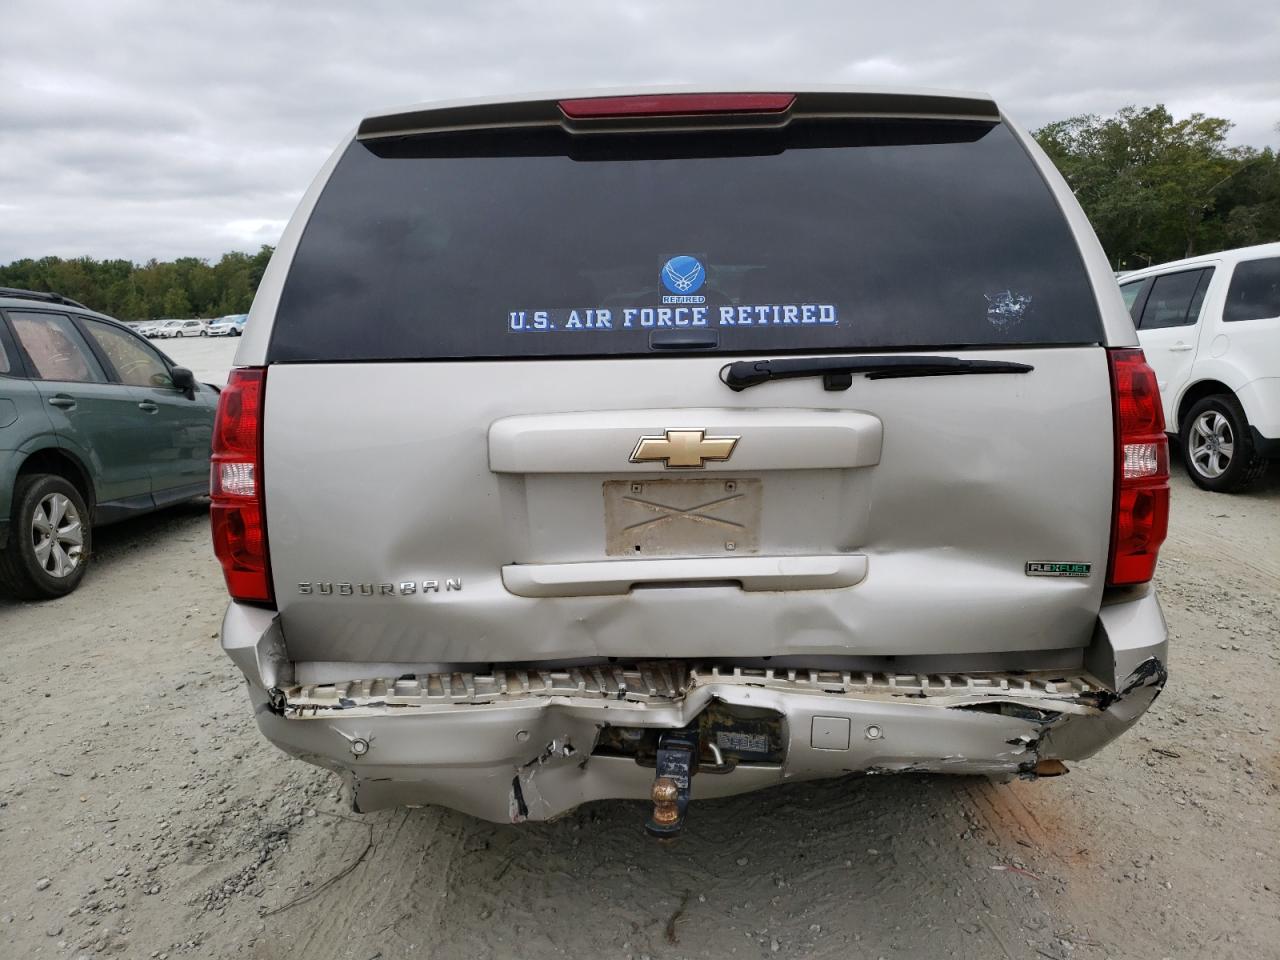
(975, 478)
(488, 340)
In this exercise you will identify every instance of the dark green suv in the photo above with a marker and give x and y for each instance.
(96, 425)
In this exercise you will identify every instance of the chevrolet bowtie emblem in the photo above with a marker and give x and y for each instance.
(683, 448)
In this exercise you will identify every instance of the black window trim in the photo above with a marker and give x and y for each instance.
(21, 369)
(1144, 285)
(1201, 293)
(25, 358)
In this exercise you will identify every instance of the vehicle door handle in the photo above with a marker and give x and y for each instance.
(1180, 348)
(146, 406)
(62, 401)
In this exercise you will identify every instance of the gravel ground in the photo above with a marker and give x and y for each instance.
(141, 815)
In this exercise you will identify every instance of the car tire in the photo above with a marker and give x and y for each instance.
(32, 568)
(204, 333)
(1217, 446)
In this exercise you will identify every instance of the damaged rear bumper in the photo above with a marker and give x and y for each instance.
(522, 743)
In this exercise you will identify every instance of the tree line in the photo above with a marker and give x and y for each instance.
(1155, 188)
(182, 288)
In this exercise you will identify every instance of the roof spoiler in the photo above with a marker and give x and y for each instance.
(660, 109)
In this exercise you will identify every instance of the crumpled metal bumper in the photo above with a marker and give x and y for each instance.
(519, 743)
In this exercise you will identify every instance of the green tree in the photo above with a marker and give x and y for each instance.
(176, 303)
(1157, 188)
(1248, 209)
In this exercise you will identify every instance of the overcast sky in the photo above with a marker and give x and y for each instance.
(160, 128)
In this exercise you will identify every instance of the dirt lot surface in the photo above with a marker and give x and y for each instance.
(141, 815)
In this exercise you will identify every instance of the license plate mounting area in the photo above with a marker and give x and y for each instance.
(684, 517)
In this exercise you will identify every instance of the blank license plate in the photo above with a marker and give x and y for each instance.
(690, 518)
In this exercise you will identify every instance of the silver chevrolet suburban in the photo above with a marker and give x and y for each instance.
(671, 444)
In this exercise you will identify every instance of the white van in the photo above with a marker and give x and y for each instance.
(1210, 326)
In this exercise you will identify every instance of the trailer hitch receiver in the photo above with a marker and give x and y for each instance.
(677, 761)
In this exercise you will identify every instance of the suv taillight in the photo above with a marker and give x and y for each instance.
(1140, 514)
(239, 524)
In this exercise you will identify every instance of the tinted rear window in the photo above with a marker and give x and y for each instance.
(1254, 292)
(821, 237)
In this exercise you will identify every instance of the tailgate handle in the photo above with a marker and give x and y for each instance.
(617, 577)
(664, 340)
(603, 441)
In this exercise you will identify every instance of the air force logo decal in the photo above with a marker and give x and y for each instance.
(682, 283)
(683, 276)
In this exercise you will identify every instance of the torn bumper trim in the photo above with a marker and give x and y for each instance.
(526, 753)
(669, 681)
(521, 743)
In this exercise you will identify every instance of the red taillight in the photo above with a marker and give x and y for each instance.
(675, 105)
(239, 524)
(1140, 515)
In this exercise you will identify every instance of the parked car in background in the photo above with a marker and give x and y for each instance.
(228, 326)
(96, 425)
(161, 326)
(724, 498)
(184, 328)
(147, 328)
(1210, 327)
(152, 329)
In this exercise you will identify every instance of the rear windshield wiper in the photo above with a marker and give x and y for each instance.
(837, 372)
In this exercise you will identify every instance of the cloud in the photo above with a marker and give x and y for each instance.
(143, 128)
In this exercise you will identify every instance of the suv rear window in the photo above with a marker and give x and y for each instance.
(1254, 292)
(818, 237)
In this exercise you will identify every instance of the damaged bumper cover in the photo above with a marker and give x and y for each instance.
(522, 743)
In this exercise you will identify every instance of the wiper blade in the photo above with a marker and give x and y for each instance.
(837, 372)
